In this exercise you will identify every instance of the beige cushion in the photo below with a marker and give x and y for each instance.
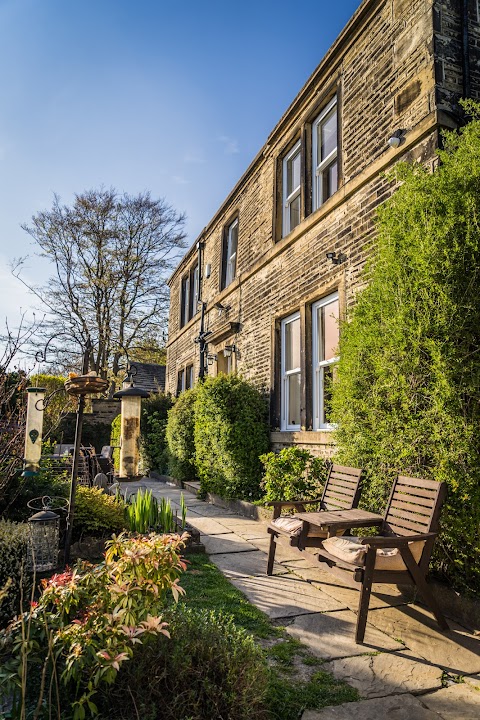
(288, 524)
(351, 550)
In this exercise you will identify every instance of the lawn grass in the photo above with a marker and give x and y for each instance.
(297, 681)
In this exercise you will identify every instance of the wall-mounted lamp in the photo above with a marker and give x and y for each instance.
(228, 350)
(336, 260)
(395, 140)
(222, 308)
(208, 270)
(211, 359)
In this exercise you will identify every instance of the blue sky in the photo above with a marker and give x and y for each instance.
(175, 98)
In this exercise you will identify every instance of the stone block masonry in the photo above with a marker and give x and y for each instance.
(399, 65)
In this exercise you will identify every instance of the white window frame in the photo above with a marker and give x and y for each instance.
(230, 254)
(288, 199)
(194, 291)
(286, 375)
(318, 169)
(318, 367)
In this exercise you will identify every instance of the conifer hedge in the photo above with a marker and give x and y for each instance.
(231, 432)
(407, 391)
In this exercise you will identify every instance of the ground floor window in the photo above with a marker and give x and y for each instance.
(325, 317)
(290, 373)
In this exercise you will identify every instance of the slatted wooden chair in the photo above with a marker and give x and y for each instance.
(401, 553)
(341, 492)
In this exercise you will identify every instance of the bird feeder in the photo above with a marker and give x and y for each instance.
(131, 398)
(34, 428)
(44, 532)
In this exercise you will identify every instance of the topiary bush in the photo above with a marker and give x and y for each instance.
(153, 423)
(180, 434)
(407, 394)
(293, 474)
(15, 581)
(97, 514)
(231, 432)
(208, 669)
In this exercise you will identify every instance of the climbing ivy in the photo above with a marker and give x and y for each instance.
(407, 391)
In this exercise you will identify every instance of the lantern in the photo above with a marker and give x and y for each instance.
(44, 531)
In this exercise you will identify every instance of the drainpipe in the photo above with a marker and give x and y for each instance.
(465, 50)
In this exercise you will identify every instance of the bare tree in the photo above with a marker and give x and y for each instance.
(111, 254)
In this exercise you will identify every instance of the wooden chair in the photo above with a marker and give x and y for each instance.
(341, 492)
(400, 555)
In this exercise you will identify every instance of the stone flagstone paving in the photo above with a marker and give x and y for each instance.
(407, 667)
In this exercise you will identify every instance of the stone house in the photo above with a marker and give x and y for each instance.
(281, 259)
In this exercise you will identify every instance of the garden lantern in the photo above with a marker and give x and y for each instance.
(44, 531)
(34, 428)
(131, 398)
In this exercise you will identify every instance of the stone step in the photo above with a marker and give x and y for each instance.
(192, 486)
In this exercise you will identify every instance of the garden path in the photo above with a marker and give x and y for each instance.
(407, 669)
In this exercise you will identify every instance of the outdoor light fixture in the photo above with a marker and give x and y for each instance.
(336, 260)
(211, 359)
(228, 350)
(222, 308)
(395, 140)
(208, 270)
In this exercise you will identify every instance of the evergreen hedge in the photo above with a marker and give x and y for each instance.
(15, 580)
(407, 393)
(231, 432)
(153, 424)
(180, 434)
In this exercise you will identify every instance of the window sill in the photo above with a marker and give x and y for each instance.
(303, 437)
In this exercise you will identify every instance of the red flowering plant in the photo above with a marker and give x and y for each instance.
(86, 624)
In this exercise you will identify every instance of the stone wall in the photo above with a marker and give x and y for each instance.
(384, 73)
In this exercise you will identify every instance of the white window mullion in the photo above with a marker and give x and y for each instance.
(322, 355)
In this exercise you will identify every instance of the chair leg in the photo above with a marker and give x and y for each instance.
(271, 553)
(422, 585)
(365, 592)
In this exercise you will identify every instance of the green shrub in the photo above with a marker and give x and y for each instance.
(49, 482)
(293, 474)
(407, 395)
(88, 621)
(152, 428)
(208, 669)
(97, 514)
(115, 433)
(15, 581)
(231, 432)
(180, 435)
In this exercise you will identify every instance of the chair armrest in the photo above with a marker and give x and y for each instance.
(279, 504)
(292, 503)
(395, 541)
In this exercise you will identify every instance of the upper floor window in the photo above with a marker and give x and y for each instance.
(291, 183)
(290, 373)
(325, 151)
(189, 295)
(325, 337)
(229, 253)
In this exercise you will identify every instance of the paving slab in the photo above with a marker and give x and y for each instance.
(455, 650)
(226, 543)
(248, 531)
(331, 635)
(207, 525)
(396, 707)
(457, 702)
(245, 564)
(473, 680)
(386, 674)
(284, 553)
(285, 596)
